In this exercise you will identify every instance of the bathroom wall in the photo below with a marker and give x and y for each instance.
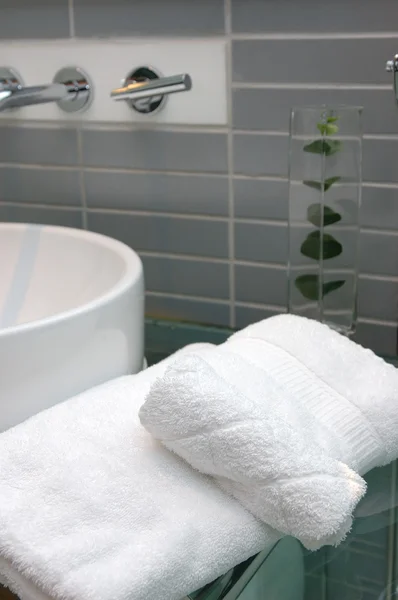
(207, 207)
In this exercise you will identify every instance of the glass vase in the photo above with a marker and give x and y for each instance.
(325, 157)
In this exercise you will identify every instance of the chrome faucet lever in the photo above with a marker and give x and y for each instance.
(70, 89)
(147, 90)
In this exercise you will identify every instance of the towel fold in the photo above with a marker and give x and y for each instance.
(92, 508)
(285, 417)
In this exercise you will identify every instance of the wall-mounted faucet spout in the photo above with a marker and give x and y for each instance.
(70, 89)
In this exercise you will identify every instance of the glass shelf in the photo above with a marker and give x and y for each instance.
(362, 567)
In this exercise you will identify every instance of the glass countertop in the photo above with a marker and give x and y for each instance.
(363, 567)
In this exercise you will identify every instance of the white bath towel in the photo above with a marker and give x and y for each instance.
(92, 508)
(285, 415)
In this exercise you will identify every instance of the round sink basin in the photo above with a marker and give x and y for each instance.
(71, 315)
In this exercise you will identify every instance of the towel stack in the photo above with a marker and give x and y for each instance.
(269, 433)
(286, 416)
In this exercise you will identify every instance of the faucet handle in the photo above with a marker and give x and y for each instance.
(392, 67)
(147, 90)
(10, 79)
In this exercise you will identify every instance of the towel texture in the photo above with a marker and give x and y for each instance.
(278, 419)
(93, 508)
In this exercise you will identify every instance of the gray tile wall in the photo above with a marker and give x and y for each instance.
(207, 209)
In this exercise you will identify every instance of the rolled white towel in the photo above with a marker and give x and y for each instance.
(274, 416)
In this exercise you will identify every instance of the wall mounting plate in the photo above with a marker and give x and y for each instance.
(107, 60)
(75, 78)
(145, 105)
(10, 76)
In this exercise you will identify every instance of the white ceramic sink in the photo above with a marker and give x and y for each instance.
(71, 315)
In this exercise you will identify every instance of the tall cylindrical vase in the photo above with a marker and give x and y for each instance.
(325, 159)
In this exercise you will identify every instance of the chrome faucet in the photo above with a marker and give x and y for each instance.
(147, 90)
(70, 89)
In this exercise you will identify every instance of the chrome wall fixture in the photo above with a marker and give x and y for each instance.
(71, 89)
(392, 67)
(146, 90)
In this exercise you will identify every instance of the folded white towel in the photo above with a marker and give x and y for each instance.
(276, 416)
(92, 508)
(359, 390)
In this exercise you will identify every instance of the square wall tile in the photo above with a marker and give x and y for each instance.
(184, 276)
(380, 160)
(258, 155)
(181, 309)
(261, 243)
(12, 213)
(378, 299)
(382, 339)
(315, 60)
(143, 17)
(40, 186)
(379, 208)
(261, 285)
(378, 253)
(261, 16)
(246, 315)
(156, 150)
(33, 145)
(163, 234)
(269, 109)
(41, 19)
(261, 199)
(157, 192)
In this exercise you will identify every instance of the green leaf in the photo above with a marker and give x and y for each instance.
(330, 286)
(326, 147)
(316, 247)
(327, 129)
(317, 147)
(314, 215)
(330, 181)
(334, 146)
(317, 185)
(308, 285)
(332, 119)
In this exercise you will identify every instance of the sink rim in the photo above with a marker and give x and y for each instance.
(132, 275)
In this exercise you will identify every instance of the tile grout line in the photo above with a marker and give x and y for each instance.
(242, 304)
(117, 127)
(230, 158)
(71, 13)
(196, 216)
(190, 297)
(269, 85)
(158, 213)
(304, 36)
(254, 305)
(82, 183)
(206, 174)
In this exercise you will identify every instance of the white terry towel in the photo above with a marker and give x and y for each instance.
(92, 508)
(284, 416)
